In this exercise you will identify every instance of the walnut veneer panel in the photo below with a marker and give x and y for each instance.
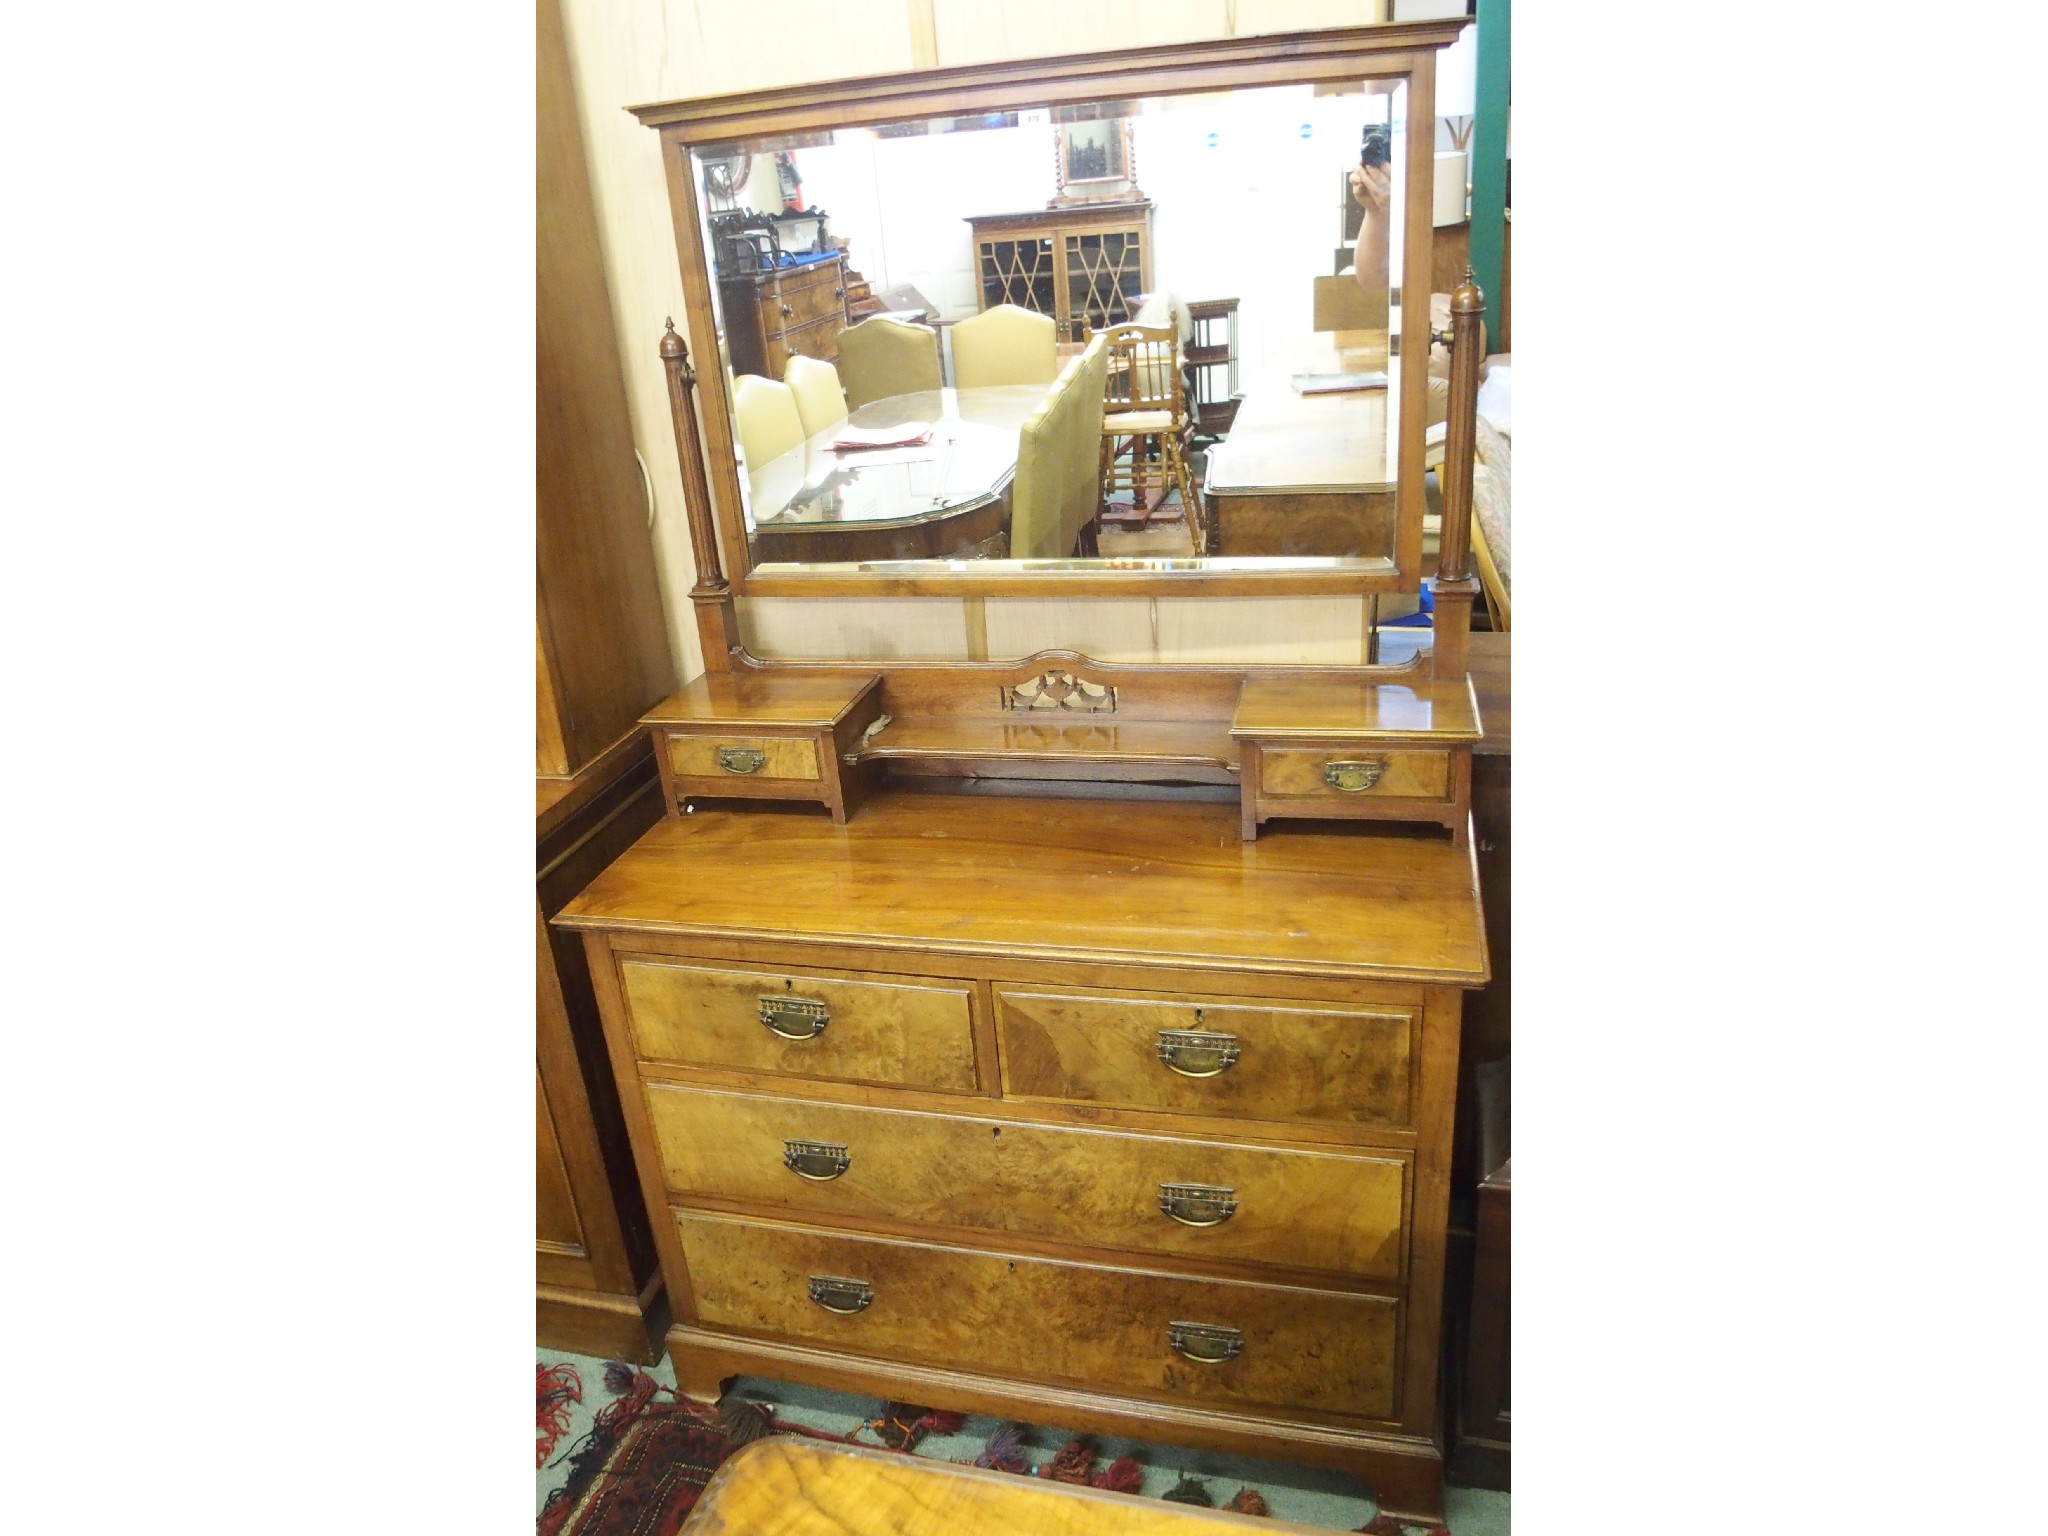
(784, 757)
(1298, 773)
(911, 1031)
(1294, 1062)
(1056, 878)
(1309, 1210)
(1046, 1320)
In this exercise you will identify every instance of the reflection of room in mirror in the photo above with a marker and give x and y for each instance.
(908, 230)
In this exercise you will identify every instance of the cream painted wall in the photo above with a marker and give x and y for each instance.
(627, 52)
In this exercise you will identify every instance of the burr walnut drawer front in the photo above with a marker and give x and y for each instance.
(1157, 1335)
(908, 1031)
(1345, 776)
(1231, 1057)
(798, 306)
(1167, 1195)
(720, 760)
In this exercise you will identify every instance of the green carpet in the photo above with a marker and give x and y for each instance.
(1309, 1495)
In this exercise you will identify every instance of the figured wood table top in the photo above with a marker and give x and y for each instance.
(1086, 880)
(782, 1486)
(1283, 706)
(742, 699)
(1282, 441)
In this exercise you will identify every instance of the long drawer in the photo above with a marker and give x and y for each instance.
(909, 1031)
(1268, 1061)
(1150, 1194)
(1151, 1334)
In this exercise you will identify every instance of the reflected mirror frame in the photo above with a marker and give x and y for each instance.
(1398, 53)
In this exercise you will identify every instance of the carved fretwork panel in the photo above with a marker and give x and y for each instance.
(1063, 691)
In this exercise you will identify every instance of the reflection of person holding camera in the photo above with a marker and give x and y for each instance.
(1372, 188)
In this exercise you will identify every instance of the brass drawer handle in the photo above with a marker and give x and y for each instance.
(787, 311)
(1198, 1205)
(1207, 1343)
(845, 1297)
(741, 759)
(819, 1160)
(1197, 1052)
(1355, 775)
(795, 1018)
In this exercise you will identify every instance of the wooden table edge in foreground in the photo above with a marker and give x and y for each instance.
(783, 1486)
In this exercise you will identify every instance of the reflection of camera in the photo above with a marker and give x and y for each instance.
(1375, 147)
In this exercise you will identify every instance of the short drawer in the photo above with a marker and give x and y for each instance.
(1252, 1060)
(794, 306)
(910, 1031)
(751, 758)
(1343, 775)
(1143, 1193)
(1155, 1335)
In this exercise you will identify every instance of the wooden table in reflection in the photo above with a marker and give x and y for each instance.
(945, 499)
(1308, 474)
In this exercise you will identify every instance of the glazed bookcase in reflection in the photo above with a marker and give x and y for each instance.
(756, 524)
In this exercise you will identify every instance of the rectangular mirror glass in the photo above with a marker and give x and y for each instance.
(1158, 335)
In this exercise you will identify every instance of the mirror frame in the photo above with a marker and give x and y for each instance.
(1402, 51)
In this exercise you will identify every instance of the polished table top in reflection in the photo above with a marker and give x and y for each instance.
(968, 463)
(1285, 441)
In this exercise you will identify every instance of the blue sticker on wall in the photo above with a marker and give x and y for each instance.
(1308, 130)
(1215, 139)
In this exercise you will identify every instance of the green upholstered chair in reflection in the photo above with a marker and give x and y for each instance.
(883, 356)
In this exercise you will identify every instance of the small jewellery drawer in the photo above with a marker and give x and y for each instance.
(910, 1031)
(1108, 1189)
(719, 758)
(1157, 1335)
(1230, 1057)
(1343, 775)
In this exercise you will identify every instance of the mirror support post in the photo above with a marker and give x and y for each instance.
(1455, 585)
(717, 619)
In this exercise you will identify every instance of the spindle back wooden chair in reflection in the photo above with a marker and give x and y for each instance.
(1145, 420)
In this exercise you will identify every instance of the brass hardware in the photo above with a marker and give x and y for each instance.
(787, 311)
(1197, 1052)
(741, 759)
(1208, 1343)
(1198, 1205)
(805, 1017)
(1355, 775)
(838, 293)
(842, 1296)
(819, 1160)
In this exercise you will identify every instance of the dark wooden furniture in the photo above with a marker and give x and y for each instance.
(784, 311)
(1211, 358)
(802, 1488)
(1068, 1109)
(1089, 266)
(602, 658)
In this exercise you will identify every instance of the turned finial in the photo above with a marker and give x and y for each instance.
(672, 346)
(1467, 299)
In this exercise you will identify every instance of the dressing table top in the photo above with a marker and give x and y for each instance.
(1084, 880)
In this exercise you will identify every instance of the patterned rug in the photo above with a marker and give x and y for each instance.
(642, 1465)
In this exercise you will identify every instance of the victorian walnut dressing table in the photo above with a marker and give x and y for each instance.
(1060, 1040)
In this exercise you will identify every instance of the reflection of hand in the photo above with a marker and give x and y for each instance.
(1371, 187)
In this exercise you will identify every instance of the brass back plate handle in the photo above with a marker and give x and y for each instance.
(1197, 1052)
(819, 1160)
(1206, 1343)
(795, 1018)
(1198, 1205)
(845, 1297)
(741, 759)
(1355, 775)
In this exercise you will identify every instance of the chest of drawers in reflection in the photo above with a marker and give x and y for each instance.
(1068, 1111)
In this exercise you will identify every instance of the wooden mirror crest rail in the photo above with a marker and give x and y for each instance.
(1400, 55)
(1067, 1041)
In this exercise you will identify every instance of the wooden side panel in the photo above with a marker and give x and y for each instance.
(600, 603)
(1041, 1320)
(1297, 772)
(910, 1031)
(556, 1224)
(1308, 1210)
(1293, 1062)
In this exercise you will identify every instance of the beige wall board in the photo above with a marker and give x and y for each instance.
(1109, 629)
(1308, 630)
(865, 628)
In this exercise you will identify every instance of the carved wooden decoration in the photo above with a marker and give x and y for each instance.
(1060, 690)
